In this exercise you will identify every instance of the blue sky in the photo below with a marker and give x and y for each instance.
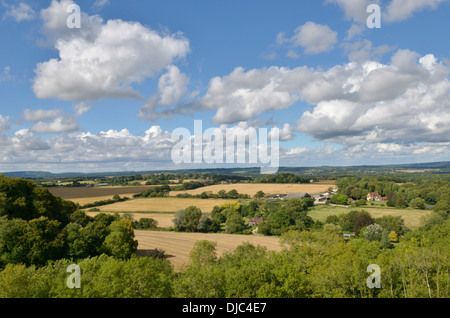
(107, 96)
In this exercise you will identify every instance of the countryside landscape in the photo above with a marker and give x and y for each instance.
(222, 157)
(182, 226)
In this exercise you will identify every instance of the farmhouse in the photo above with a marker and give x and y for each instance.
(255, 221)
(374, 196)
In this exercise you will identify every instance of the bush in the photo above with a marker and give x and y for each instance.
(145, 223)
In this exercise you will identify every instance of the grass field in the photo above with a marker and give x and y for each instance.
(268, 188)
(168, 204)
(178, 245)
(412, 217)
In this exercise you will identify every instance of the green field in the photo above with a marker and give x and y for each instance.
(412, 217)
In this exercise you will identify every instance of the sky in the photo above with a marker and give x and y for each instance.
(108, 95)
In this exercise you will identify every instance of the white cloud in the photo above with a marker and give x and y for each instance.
(20, 12)
(314, 38)
(399, 10)
(172, 85)
(242, 95)
(40, 114)
(104, 149)
(171, 88)
(49, 121)
(4, 123)
(102, 59)
(285, 133)
(81, 108)
(61, 124)
(406, 101)
(355, 10)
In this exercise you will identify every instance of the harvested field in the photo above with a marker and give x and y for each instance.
(178, 245)
(267, 188)
(163, 219)
(168, 204)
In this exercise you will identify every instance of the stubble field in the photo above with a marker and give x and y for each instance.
(268, 188)
(177, 246)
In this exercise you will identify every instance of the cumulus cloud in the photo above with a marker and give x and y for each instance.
(314, 38)
(406, 101)
(49, 121)
(241, 95)
(61, 124)
(101, 59)
(79, 148)
(171, 87)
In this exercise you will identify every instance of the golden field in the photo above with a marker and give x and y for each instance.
(163, 219)
(267, 188)
(177, 246)
(167, 204)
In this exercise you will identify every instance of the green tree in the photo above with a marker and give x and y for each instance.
(332, 228)
(120, 241)
(417, 203)
(259, 195)
(235, 223)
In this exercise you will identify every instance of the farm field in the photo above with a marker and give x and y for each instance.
(163, 219)
(91, 194)
(178, 245)
(412, 217)
(167, 204)
(268, 188)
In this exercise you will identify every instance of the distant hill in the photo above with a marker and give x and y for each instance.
(433, 167)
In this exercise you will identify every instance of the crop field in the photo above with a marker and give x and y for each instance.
(91, 194)
(167, 204)
(177, 246)
(412, 217)
(268, 188)
(163, 219)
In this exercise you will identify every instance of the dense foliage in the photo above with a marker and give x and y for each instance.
(311, 264)
(37, 227)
